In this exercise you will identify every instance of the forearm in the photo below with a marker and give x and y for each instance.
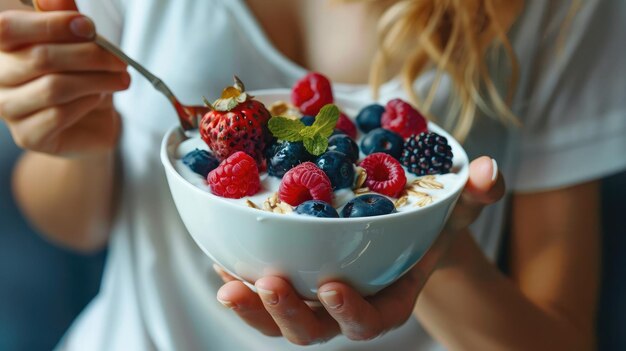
(469, 305)
(68, 200)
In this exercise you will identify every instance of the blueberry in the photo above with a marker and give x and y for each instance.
(317, 208)
(368, 118)
(307, 120)
(284, 155)
(368, 205)
(382, 140)
(344, 144)
(338, 167)
(201, 162)
(338, 132)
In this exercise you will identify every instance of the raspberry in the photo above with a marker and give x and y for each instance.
(236, 177)
(311, 93)
(427, 153)
(303, 183)
(385, 174)
(345, 125)
(402, 118)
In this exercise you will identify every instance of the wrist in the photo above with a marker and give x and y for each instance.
(88, 161)
(463, 258)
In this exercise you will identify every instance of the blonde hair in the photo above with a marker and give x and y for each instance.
(456, 38)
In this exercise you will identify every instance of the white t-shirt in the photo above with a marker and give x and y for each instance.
(158, 290)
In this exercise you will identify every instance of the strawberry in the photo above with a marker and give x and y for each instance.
(236, 122)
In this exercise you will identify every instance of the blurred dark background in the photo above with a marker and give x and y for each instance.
(43, 288)
(612, 309)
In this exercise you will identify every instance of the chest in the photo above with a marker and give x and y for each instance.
(328, 36)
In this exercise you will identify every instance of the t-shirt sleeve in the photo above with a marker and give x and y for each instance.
(574, 105)
(107, 15)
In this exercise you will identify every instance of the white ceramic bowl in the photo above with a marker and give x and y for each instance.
(368, 253)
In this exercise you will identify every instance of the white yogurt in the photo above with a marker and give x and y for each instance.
(270, 185)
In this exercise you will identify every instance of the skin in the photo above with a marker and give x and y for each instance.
(465, 301)
(62, 115)
(55, 97)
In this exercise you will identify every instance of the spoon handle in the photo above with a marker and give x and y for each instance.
(117, 52)
(154, 80)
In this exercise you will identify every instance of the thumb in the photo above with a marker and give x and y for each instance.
(484, 187)
(55, 5)
(485, 184)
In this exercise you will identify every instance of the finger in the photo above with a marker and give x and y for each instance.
(432, 258)
(364, 319)
(225, 276)
(485, 184)
(56, 89)
(22, 28)
(248, 306)
(40, 131)
(56, 5)
(37, 60)
(296, 320)
(96, 134)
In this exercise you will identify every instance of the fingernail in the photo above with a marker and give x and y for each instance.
(494, 170)
(226, 303)
(82, 27)
(268, 296)
(331, 298)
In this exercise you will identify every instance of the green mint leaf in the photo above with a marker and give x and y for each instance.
(308, 132)
(326, 120)
(285, 129)
(316, 145)
(315, 137)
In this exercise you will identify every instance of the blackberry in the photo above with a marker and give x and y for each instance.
(427, 153)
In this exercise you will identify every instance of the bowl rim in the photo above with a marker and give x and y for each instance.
(463, 172)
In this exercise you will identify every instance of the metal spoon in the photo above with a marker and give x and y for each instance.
(187, 115)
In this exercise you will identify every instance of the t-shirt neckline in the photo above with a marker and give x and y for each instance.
(259, 38)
